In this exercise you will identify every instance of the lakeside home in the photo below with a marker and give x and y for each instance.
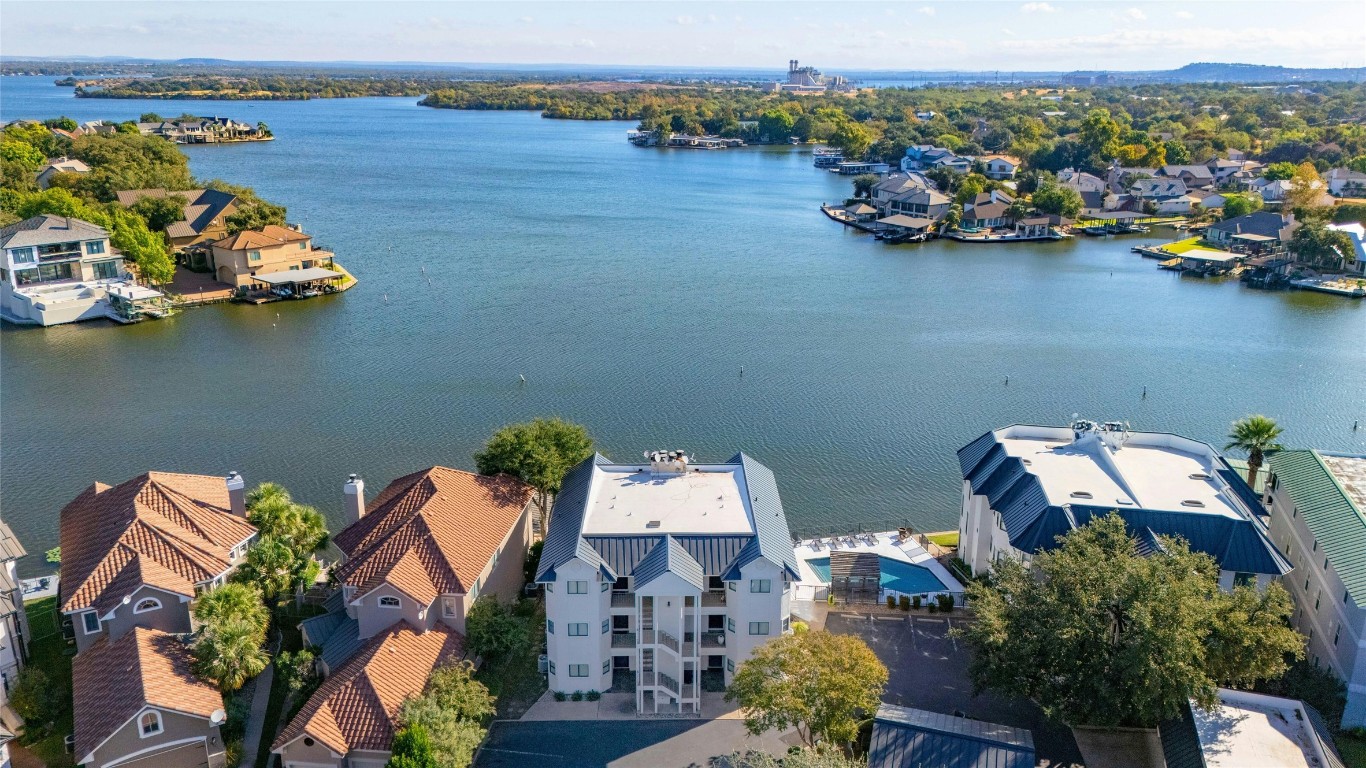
(204, 218)
(275, 259)
(204, 130)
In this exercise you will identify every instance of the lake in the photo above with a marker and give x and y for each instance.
(631, 287)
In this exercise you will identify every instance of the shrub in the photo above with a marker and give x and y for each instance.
(559, 696)
(915, 602)
(493, 630)
(577, 696)
(36, 699)
(945, 602)
(929, 607)
(593, 696)
(800, 628)
(891, 601)
(905, 603)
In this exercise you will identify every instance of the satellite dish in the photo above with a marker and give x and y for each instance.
(218, 717)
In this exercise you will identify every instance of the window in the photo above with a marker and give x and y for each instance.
(94, 247)
(389, 601)
(549, 627)
(579, 629)
(730, 624)
(106, 270)
(149, 724)
(787, 623)
(22, 255)
(578, 588)
(730, 585)
(1335, 636)
(474, 590)
(552, 667)
(148, 604)
(549, 587)
(448, 606)
(606, 585)
(303, 246)
(758, 627)
(730, 665)
(606, 626)
(761, 585)
(1244, 579)
(621, 623)
(1317, 598)
(578, 670)
(91, 621)
(253, 255)
(607, 667)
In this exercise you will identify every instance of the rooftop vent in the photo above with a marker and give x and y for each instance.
(652, 524)
(1124, 502)
(1199, 476)
(666, 462)
(1193, 503)
(1081, 495)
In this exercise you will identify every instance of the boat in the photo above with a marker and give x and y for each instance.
(1099, 231)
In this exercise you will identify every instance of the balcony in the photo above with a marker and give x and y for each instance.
(624, 640)
(623, 600)
(714, 639)
(714, 599)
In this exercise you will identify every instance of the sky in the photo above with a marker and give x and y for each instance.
(834, 36)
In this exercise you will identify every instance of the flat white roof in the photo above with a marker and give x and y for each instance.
(1350, 472)
(633, 500)
(1249, 730)
(1151, 470)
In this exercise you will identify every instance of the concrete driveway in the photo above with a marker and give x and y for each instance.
(928, 670)
(669, 743)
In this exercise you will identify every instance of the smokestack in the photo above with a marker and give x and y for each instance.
(237, 494)
(354, 493)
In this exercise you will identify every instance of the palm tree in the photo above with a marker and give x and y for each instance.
(233, 602)
(1257, 435)
(229, 654)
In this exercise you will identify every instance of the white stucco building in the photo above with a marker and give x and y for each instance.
(667, 569)
(1318, 519)
(1023, 486)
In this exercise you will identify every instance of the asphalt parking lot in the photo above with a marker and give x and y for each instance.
(928, 669)
(687, 743)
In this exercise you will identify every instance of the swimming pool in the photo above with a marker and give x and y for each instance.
(897, 575)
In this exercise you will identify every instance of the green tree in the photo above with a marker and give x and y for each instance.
(1315, 243)
(804, 757)
(864, 183)
(411, 748)
(160, 212)
(1278, 171)
(820, 683)
(1177, 153)
(539, 453)
(263, 129)
(1099, 635)
(1306, 190)
(451, 709)
(1057, 199)
(37, 699)
(291, 534)
(146, 250)
(1241, 205)
(952, 219)
(1100, 134)
(233, 602)
(1256, 435)
(1018, 209)
(775, 125)
(494, 630)
(150, 117)
(22, 153)
(229, 653)
(63, 122)
(254, 215)
(853, 138)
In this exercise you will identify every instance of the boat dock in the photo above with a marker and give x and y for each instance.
(1354, 288)
(1010, 237)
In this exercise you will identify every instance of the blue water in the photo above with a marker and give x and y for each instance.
(897, 575)
(630, 287)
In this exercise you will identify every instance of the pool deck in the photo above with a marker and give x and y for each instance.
(886, 544)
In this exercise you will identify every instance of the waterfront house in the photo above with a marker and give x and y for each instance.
(923, 157)
(898, 183)
(14, 631)
(1119, 178)
(918, 202)
(1034, 226)
(57, 269)
(903, 737)
(1001, 167)
(668, 569)
(1024, 486)
(1194, 176)
(1317, 502)
(138, 703)
(204, 219)
(1163, 195)
(1357, 234)
(201, 130)
(861, 212)
(238, 259)
(1206, 199)
(986, 215)
(416, 559)
(60, 165)
(1264, 223)
(1345, 182)
(1080, 180)
(137, 554)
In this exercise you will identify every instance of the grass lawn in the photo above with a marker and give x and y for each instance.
(48, 651)
(1181, 246)
(1353, 750)
(947, 539)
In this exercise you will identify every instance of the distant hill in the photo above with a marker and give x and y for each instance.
(1256, 73)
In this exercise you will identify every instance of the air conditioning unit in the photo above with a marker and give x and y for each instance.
(543, 664)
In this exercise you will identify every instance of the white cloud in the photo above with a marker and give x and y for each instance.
(1038, 8)
(685, 21)
(526, 19)
(1184, 15)
(1136, 14)
(1006, 31)
(927, 10)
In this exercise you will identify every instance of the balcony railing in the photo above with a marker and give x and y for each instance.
(714, 639)
(668, 641)
(623, 600)
(668, 683)
(716, 599)
(624, 640)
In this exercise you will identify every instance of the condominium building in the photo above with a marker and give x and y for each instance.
(667, 569)
(1024, 486)
(1318, 519)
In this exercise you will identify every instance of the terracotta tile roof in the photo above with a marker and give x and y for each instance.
(264, 237)
(167, 530)
(431, 532)
(111, 682)
(356, 707)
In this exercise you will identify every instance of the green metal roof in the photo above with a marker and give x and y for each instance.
(1336, 522)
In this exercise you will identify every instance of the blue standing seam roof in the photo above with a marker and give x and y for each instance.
(670, 557)
(772, 538)
(624, 553)
(912, 737)
(342, 645)
(562, 541)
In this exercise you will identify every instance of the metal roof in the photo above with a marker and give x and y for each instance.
(298, 276)
(670, 557)
(563, 541)
(913, 737)
(341, 645)
(773, 539)
(623, 554)
(1329, 513)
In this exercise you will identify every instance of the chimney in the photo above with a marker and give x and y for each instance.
(354, 492)
(237, 494)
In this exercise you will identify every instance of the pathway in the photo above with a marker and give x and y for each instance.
(260, 699)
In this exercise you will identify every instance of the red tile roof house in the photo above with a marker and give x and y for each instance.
(134, 556)
(416, 559)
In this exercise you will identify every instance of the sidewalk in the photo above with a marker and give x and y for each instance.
(260, 699)
(622, 706)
